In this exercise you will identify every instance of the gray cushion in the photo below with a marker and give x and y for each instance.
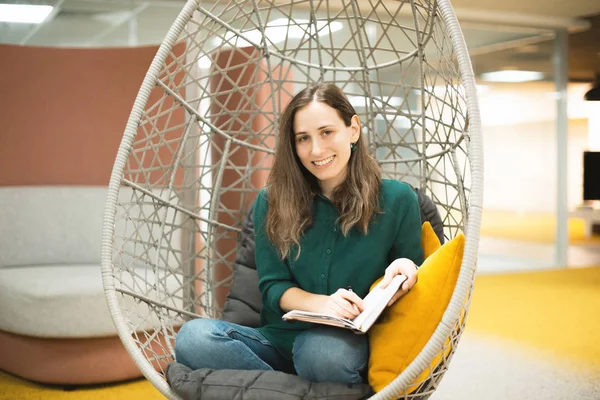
(209, 384)
(244, 301)
(429, 212)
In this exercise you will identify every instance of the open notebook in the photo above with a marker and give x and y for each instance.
(374, 303)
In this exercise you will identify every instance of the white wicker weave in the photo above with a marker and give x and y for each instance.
(205, 102)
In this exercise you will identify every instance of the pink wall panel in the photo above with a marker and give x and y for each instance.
(242, 66)
(63, 112)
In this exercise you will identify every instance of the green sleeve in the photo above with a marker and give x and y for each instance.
(407, 243)
(274, 276)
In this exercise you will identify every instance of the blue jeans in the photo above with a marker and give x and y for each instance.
(322, 354)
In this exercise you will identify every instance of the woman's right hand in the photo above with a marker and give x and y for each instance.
(343, 303)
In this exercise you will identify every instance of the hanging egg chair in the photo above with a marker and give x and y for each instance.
(199, 144)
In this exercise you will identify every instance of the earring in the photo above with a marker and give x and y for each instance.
(352, 146)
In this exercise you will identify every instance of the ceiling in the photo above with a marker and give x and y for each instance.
(553, 8)
(584, 52)
(500, 34)
(534, 55)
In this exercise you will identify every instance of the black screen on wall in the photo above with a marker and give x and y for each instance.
(591, 175)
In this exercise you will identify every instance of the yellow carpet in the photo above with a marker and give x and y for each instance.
(13, 388)
(555, 311)
(535, 227)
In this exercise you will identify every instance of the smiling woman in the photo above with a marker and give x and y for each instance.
(324, 206)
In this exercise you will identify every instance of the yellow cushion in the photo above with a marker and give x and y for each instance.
(405, 327)
(429, 240)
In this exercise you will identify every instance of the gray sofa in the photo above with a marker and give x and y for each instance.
(55, 326)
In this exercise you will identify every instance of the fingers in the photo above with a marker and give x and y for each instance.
(352, 298)
(343, 308)
(343, 299)
(401, 266)
(342, 304)
(410, 282)
(396, 297)
(387, 278)
(411, 278)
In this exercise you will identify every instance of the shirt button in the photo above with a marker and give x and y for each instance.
(328, 251)
(334, 229)
(322, 276)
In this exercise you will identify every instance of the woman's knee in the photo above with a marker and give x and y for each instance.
(331, 354)
(206, 343)
(195, 335)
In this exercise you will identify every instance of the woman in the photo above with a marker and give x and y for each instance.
(326, 227)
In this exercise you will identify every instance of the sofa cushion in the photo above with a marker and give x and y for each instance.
(51, 225)
(244, 301)
(256, 385)
(406, 327)
(54, 301)
(429, 212)
(67, 301)
(429, 240)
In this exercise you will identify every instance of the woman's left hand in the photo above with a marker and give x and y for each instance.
(400, 266)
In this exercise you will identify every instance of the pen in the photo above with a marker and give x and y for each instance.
(349, 288)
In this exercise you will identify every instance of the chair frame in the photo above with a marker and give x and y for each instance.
(453, 318)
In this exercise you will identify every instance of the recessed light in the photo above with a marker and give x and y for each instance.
(24, 13)
(279, 30)
(512, 76)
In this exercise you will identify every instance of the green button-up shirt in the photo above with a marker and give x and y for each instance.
(329, 260)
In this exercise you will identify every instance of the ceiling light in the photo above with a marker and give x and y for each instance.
(24, 13)
(512, 76)
(594, 93)
(279, 30)
(378, 101)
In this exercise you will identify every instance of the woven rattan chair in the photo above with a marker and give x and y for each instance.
(200, 139)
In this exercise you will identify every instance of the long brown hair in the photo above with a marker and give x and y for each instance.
(291, 187)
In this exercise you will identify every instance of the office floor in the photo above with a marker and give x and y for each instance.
(489, 368)
(489, 364)
(530, 336)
